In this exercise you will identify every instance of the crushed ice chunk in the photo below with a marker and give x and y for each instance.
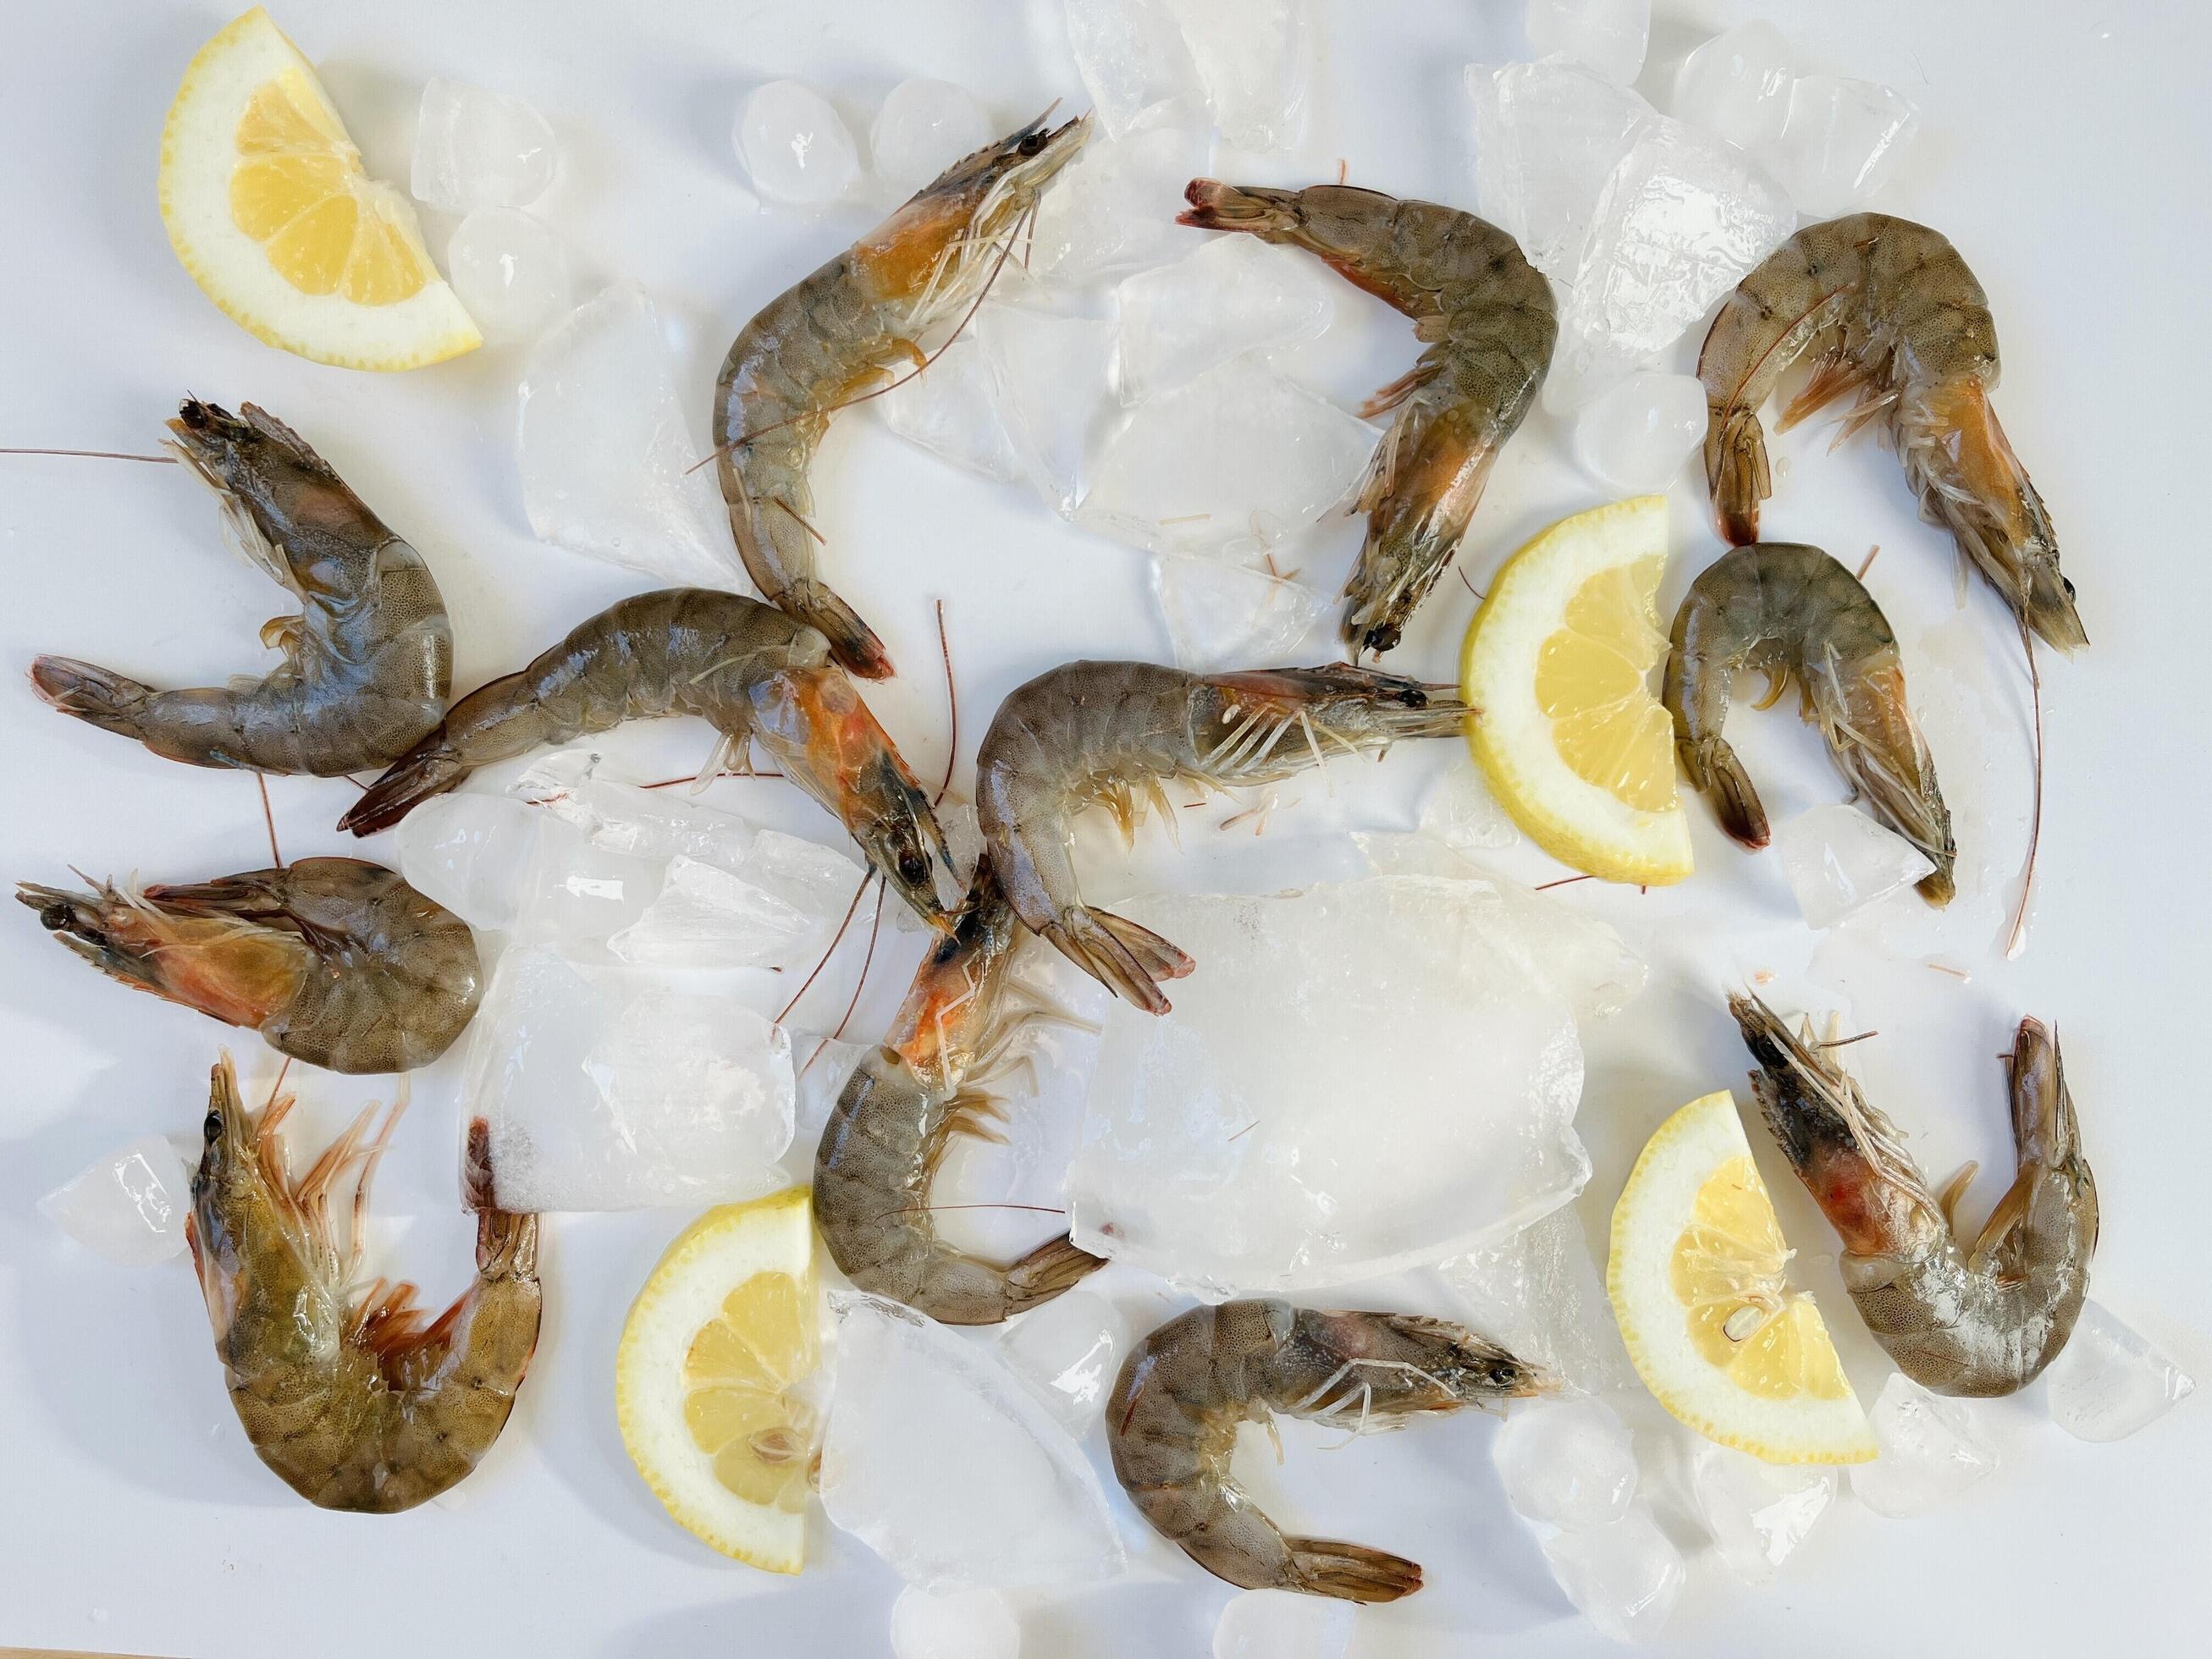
(935, 1458)
(1233, 295)
(574, 889)
(475, 148)
(1838, 860)
(509, 271)
(1282, 1625)
(1637, 435)
(1256, 60)
(1132, 57)
(705, 916)
(1546, 137)
(1843, 141)
(1221, 615)
(1623, 1578)
(1568, 1463)
(1607, 35)
(1930, 1452)
(130, 1206)
(795, 147)
(1539, 1294)
(1757, 1512)
(469, 851)
(1114, 207)
(950, 408)
(1068, 1350)
(2109, 1380)
(607, 458)
(630, 820)
(923, 128)
(1460, 811)
(965, 1625)
(1737, 84)
(1052, 379)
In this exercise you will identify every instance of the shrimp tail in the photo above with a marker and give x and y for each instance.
(1714, 770)
(1127, 959)
(1737, 470)
(1350, 1572)
(100, 696)
(852, 641)
(506, 1243)
(1056, 1266)
(432, 768)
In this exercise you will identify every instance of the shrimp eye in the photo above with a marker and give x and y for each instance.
(913, 868)
(1033, 145)
(213, 1127)
(54, 918)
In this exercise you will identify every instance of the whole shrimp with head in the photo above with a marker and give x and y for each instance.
(1981, 1320)
(367, 661)
(352, 1394)
(840, 334)
(1113, 733)
(1887, 308)
(1172, 1418)
(1487, 319)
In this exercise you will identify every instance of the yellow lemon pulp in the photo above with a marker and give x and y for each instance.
(1742, 1317)
(1593, 681)
(734, 1378)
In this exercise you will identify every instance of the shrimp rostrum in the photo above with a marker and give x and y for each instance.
(1172, 1418)
(352, 1394)
(367, 661)
(1983, 1320)
(1113, 733)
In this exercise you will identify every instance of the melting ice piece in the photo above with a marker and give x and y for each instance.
(1930, 1452)
(611, 1089)
(1843, 141)
(1193, 469)
(1568, 1463)
(1757, 1512)
(1114, 209)
(705, 916)
(923, 128)
(794, 146)
(1233, 1147)
(1546, 137)
(626, 818)
(1221, 615)
(1132, 57)
(2109, 1380)
(1538, 1293)
(1256, 60)
(576, 891)
(605, 454)
(1607, 35)
(1282, 1625)
(510, 272)
(1460, 811)
(1068, 1351)
(1838, 860)
(1737, 84)
(130, 1206)
(965, 1625)
(1235, 294)
(469, 852)
(942, 1464)
(1052, 376)
(950, 408)
(475, 148)
(1637, 436)
(1623, 1578)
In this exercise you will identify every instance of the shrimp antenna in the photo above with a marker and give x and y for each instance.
(835, 939)
(951, 700)
(97, 455)
(2016, 940)
(875, 928)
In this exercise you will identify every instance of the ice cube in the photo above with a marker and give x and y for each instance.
(1068, 1351)
(1220, 614)
(510, 272)
(923, 128)
(1052, 378)
(1538, 1294)
(1132, 57)
(1567, 1463)
(935, 1458)
(1460, 811)
(1930, 1452)
(616, 1088)
(1737, 84)
(607, 458)
(1757, 1512)
(795, 147)
(1235, 294)
(574, 892)
(470, 852)
(1114, 207)
(2109, 1380)
(1546, 137)
(130, 1206)
(1256, 60)
(475, 148)
(1838, 860)
(1637, 436)
(950, 408)
(1282, 1625)
(1211, 463)
(705, 916)
(965, 1625)
(1623, 1578)
(637, 821)
(1607, 35)
(1842, 142)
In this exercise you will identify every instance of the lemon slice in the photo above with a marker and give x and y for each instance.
(723, 1328)
(1557, 669)
(1697, 1282)
(269, 209)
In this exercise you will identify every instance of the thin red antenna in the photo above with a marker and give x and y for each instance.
(268, 820)
(952, 702)
(875, 928)
(835, 939)
(2016, 940)
(97, 455)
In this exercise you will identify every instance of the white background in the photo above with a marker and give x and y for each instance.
(2065, 151)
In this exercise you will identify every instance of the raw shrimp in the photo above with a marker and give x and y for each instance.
(1982, 1322)
(1792, 611)
(1487, 319)
(840, 332)
(367, 661)
(337, 962)
(898, 1112)
(1889, 309)
(755, 673)
(353, 1396)
(1097, 733)
(1171, 1425)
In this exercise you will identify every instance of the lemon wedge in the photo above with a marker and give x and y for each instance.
(267, 207)
(1558, 668)
(1698, 1279)
(724, 1327)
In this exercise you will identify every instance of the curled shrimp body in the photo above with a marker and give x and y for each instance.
(1171, 1425)
(354, 1396)
(337, 962)
(1982, 1320)
(839, 333)
(1487, 319)
(1793, 612)
(756, 674)
(1112, 733)
(367, 661)
(896, 1114)
(1886, 308)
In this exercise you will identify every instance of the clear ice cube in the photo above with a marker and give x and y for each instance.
(950, 408)
(1637, 435)
(509, 271)
(1546, 137)
(1052, 378)
(1233, 295)
(1623, 1578)
(475, 148)
(795, 147)
(963, 1624)
(1930, 1452)
(1842, 142)
(130, 1206)
(1609, 36)
(607, 458)
(1460, 811)
(705, 916)
(1114, 207)
(2109, 1380)
(1757, 1512)
(1737, 84)
(1539, 1294)
(1068, 1351)
(1282, 1625)
(1838, 860)
(469, 851)
(935, 1458)
(1256, 60)
(1132, 57)
(1567, 1463)
(629, 819)
(1221, 615)
(575, 891)
(923, 128)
